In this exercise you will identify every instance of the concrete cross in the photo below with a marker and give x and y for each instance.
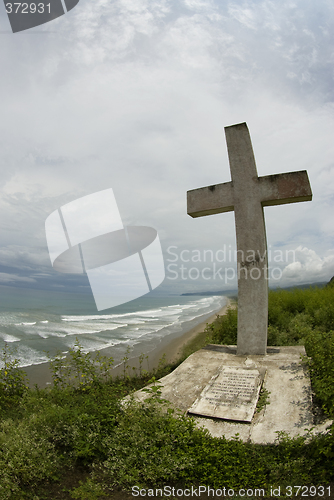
(247, 194)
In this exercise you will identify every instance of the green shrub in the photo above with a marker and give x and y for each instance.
(88, 490)
(12, 378)
(320, 349)
(324, 317)
(147, 447)
(80, 370)
(218, 461)
(315, 304)
(224, 329)
(26, 458)
(76, 423)
(291, 461)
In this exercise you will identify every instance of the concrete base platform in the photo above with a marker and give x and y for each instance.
(289, 406)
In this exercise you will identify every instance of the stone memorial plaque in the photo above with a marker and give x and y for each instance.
(231, 395)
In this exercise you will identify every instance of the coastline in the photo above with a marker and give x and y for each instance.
(170, 346)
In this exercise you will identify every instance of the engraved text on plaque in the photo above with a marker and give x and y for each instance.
(231, 395)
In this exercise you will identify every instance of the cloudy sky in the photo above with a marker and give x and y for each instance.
(134, 95)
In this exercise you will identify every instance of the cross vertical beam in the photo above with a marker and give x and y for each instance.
(252, 260)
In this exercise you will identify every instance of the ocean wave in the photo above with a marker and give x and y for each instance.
(24, 323)
(9, 338)
(38, 331)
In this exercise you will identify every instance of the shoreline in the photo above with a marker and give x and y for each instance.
(170, 346)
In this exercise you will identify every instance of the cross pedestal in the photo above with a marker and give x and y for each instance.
(247, 194)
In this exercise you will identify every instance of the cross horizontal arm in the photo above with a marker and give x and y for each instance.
(291, 187)
(210, 200)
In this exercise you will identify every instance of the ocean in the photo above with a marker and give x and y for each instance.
(36, 322)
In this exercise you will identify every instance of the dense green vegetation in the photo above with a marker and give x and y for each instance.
(78, 440)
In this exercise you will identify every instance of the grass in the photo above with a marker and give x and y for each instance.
(77, 440)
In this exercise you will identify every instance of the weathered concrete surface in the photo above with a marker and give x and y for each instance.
(290, 401)
(247, 194)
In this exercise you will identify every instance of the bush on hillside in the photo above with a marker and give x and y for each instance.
(224, 329)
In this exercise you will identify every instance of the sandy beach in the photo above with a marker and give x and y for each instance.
(171, 347)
